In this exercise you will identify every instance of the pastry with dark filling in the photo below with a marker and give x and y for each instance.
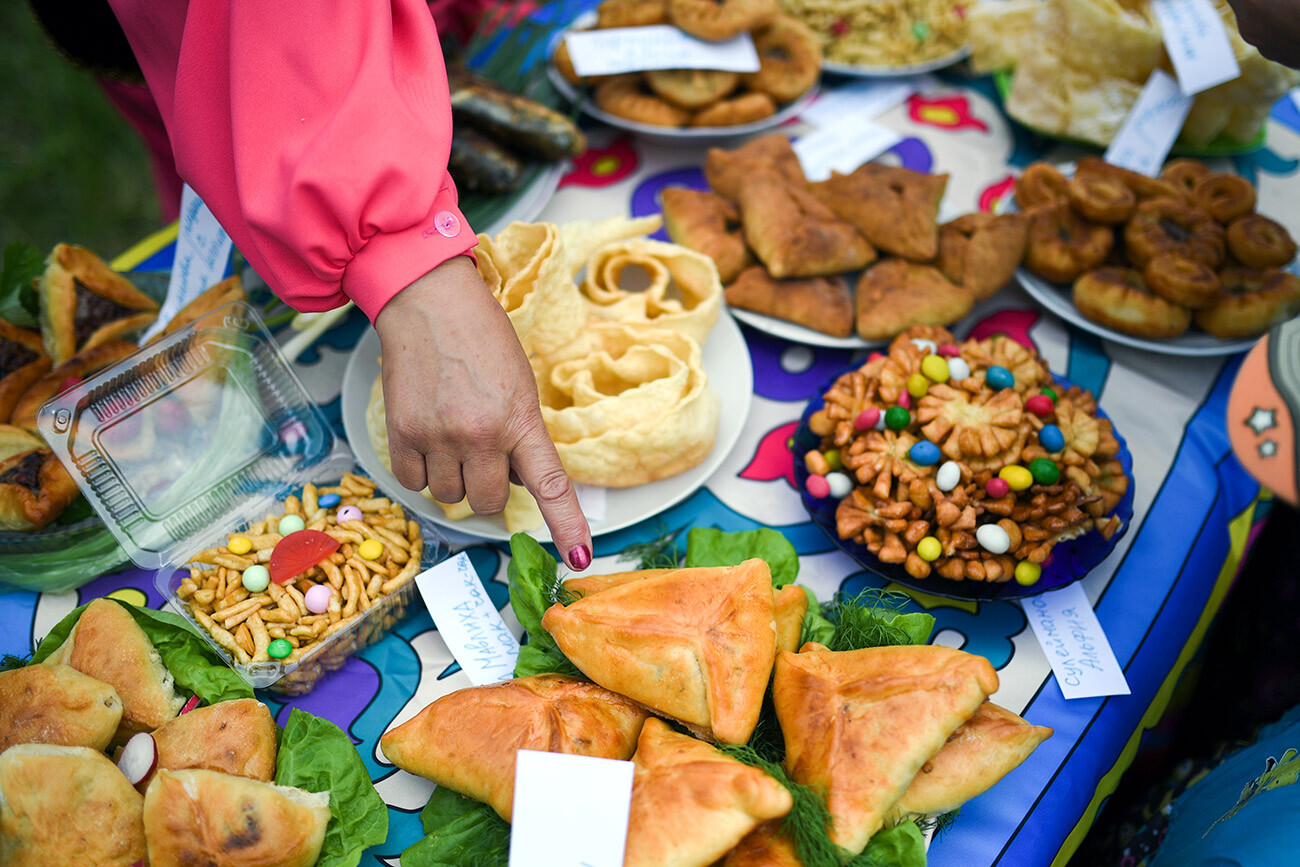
(85, 303)
(34, 490)
(60, 379)
(22, 362)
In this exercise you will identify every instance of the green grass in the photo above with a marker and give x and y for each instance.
(71, 169)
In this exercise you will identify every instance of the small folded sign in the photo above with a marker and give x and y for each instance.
(637, 49)
(1152, 125)
(552, 788)
(468, 621)
(1068, 631)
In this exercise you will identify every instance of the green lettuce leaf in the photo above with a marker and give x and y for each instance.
(708, 546)
(815, 625)
(18, 302)
(193, 663)
(317, 756)
(461, 833)
(534, 587)
(874, 618)
(900, 846)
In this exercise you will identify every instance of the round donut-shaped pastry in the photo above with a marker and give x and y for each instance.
(1224, 196)
(1185, 174)
(1119, 298)
(564, 65)
(1181, 280)
(1040, 184)
(1253, 301)
(1141, 185)
(692, 89)
(1173, 226)
(631, 13)
(720, 20)
(628, 97)
(789, 60)
(1258, 242)
(1101, 199)
(1063, 245)
(746, 108)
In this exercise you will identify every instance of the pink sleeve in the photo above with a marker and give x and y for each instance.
(317, 133)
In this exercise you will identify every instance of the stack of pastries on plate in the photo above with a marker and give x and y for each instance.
(613, 323)
(207, 799)
(680, 660)
(974, 468)
(1151, 256)
(789, 64)
(784, 245)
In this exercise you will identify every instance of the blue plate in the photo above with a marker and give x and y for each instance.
(1070, 560)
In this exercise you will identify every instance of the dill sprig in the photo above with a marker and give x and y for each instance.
(661, 552)
(939, 823)
(9, 662)
(868, 619)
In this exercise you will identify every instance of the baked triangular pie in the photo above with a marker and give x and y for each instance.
(708, 224)
(981, 251)
(693, 644)
(728, 171)
(821, 303)
(896, 209)
(85, 303)
(235, 737)
(791, 605)
(34, 489)
(765, 846)
(691, 804)
(795, 235)
(22, 362)
(860, 724)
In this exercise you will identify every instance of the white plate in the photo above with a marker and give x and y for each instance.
(731, 375)
(530, 199)
(799, 333)
(855, 71)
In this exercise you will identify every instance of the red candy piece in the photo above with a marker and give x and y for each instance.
(873, 356)
(905, 400)
(818, 487)
(997, 488)
(298, 552)
(947, 350)
(1040, 405)
(867, 418)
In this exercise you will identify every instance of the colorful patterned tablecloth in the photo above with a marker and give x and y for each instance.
(1155, 595)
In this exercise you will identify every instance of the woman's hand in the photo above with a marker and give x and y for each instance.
(463, 416)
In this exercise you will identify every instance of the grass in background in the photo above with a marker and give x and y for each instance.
(71, 168)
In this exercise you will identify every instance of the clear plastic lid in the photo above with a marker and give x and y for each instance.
(199, 433)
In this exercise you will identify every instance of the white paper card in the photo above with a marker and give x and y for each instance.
(1147, 134)
(864, 99)
(468, 621)
(202, 254)
(842, 146)
(1067, 628)
(1197, 43)
(636, 49)
(550, 790)
(592, 500)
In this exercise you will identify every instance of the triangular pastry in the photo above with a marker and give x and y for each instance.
(728, 171)
(765, 846)
(896, 209)
(795, 235)
(894, 295)
(691, 804)
(22, 362)
(821, 303)
(85, 303)
(981, 251)
(708, 224)
(860, 724)
(467, 740)
(791, 603)
(692, 644)
(235, 737)
(586, 585)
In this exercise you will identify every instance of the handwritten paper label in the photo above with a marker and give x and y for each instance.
(842, 146)
(1066, 626)
(468, 621)
(592, 499)
(202, 258)
(1147, 134)
(636, 49)
(550, 790)
(1197, 43)
(864, 99)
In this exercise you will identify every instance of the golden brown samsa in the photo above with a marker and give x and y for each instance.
(467, 740)
(795, 235)
(693, 644)
(196, 817)
(894, 295)
(765, 846)
(981, 251)
(234, 737)
(896, 209)
(728, 171)
(691, 803)
(791, 603)
(585, 585)
(67, 806)
(708, 224)
(821, 303)
(55, 704)
(860, 724)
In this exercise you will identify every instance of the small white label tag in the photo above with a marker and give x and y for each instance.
(550, 790)
(1147, 134)
(636, 49)
(1067, 628)
(842, 146)
(862, 99)
(202, 256)
(1197, 43)
(467, 620)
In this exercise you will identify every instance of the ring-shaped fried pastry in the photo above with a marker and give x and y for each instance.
(1101, 199)
(1040, 184)
(720, 20)
(1062, 245)
(1181, 280)
(789, 60)
(1173, 226)
(692, 89)
(1185, 174)
(631, 13)
(1119, 298)
(1224, 196)
(1258, 242)
(746, 108)
(627, 96)
(1141, 185)
(1253, 301)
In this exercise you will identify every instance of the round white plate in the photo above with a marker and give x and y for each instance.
(856, 71)
(799, 333)
(731, 375)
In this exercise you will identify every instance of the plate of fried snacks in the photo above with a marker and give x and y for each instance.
(788, 250)
(669, 668)
(125, 740)
(1181, 264)
(1078, 65)
(882, 38)
(697, 105)
(645, 383)
(964, 469)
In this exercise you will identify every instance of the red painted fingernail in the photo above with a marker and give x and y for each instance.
(579, 557)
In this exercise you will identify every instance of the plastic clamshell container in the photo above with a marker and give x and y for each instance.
(197, 436)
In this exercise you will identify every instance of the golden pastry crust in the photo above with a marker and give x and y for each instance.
(234, 737)
(55, 704)
(1185, 174)
(1181, 280)
(821, 303)
(1119, 298)
(692, 89)
(631, 13)
(977, 429)
(727, 172)
(981, 252)
(1142, 186)
(746, 108)
(1253, 301)
(765, 846)
(789, 60)
(1258, 242)
(896, 209)
(1101, 199)
(708, 224)
(219, 294)
(22, 362)
(720, 20)
(81, 366)
(1040, 184)
(795, 235)
(791, 604)
(1224, 196)
(1030, 371)
(628, 97)
(1172, 226)
(85, 304)
(34, 490)
(894, 295)
(1062, 245)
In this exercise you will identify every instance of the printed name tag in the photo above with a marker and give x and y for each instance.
(202, 258)
(468, 621)
(1147, 134)
(550, 790)
(1197, 43)
(861, 99)
(636, 49)
(1067, 628)
(842, 146)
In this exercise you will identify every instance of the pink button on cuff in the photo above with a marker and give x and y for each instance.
(447, 224)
